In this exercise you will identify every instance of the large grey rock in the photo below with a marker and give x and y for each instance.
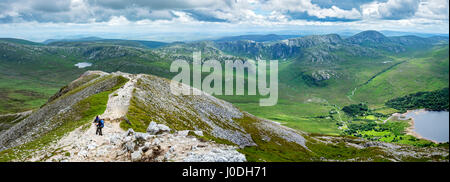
(154, 128)
(115, 140)
(128, 138)
(91, 146)
(147, 144)
(199, 133)
(156, 141)
(130, 132)
(163, 128)
(136, 156)
(183, 133)
(142, 136)
(129, 146)
(216, 155)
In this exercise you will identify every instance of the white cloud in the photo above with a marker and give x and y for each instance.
(169, 20)
(434, 9)
(118, 20)
(311, 9)
(392, 9)
(50, 5)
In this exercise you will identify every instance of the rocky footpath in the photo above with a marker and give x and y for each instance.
(158, 144)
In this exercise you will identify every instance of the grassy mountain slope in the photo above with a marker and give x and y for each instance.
(259, 139)
(29, 76)
(427, 72)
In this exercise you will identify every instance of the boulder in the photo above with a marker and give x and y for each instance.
(156, 141)
(136, 156)
(154, 128)
(216, 155)
(129, 146)
(199, 133)
(142, 136)
(147, 144)
(183, 133)
(163, 128)
(128, 139)
(172, 149)
(115, 140)
(130, 132)
(91, 146)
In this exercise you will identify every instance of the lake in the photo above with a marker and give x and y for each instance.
(83, 64)
(432, 125)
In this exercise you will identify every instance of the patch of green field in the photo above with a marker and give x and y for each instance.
(393, 131)
(385, 110)
(22, 95)
(28, 79)
(309, 117)
(279, 150)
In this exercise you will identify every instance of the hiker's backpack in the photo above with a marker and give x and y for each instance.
(101, 123)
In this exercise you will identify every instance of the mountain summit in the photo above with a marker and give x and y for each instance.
(369, 36)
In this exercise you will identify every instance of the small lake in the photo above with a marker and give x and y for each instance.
(432, 125)
(83, 64)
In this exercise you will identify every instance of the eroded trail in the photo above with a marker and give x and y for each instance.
(119, 101)
(83, 144)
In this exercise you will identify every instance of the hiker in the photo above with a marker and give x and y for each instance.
(100, 125)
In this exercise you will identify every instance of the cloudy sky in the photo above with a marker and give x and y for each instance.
(171, 20)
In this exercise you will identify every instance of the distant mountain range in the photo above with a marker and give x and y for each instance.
(19, 41)
(257, 38)
(260, 38)
(132, 43)
(48, 41)
(359, 44)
